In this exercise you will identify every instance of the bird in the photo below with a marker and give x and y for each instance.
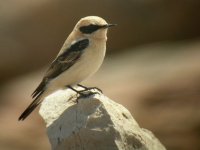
(80, 57)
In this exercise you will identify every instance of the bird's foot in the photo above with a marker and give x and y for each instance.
(86, 92)
(90, 88)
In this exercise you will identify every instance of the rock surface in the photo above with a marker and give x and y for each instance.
(95, 122)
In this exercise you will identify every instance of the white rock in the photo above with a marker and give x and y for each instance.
(94, 123)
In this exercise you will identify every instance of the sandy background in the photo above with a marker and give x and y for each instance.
(152, 65)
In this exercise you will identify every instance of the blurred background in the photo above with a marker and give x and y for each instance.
(152, 65)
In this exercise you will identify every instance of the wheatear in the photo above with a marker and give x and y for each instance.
(80, 56)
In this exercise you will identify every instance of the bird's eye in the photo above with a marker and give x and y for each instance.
(89, 29)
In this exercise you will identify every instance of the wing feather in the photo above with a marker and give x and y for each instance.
(63, 62)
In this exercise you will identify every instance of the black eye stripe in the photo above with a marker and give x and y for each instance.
(90, 28)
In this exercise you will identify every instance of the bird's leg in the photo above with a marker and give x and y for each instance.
(82, 86)
(73, 89)
(89, 88)
(83, 93)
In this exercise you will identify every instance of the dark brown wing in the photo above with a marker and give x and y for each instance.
(62, 63)
(59, 65)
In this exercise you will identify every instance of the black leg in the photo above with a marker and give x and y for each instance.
(90, 88)
(82, 86)
(82, 93)
(73, 89)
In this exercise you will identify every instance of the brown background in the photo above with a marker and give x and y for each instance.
(152, 65)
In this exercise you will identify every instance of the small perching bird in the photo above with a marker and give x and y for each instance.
(80, 57)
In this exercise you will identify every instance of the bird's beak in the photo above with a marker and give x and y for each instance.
(109, 25)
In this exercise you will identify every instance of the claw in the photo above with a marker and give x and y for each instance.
(86, 92)
(90, 88)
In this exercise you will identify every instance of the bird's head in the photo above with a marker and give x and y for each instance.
(93, 27)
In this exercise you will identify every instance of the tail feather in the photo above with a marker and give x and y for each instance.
(39, 89)
(27, 112)
(37, 99)
(31, 107)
